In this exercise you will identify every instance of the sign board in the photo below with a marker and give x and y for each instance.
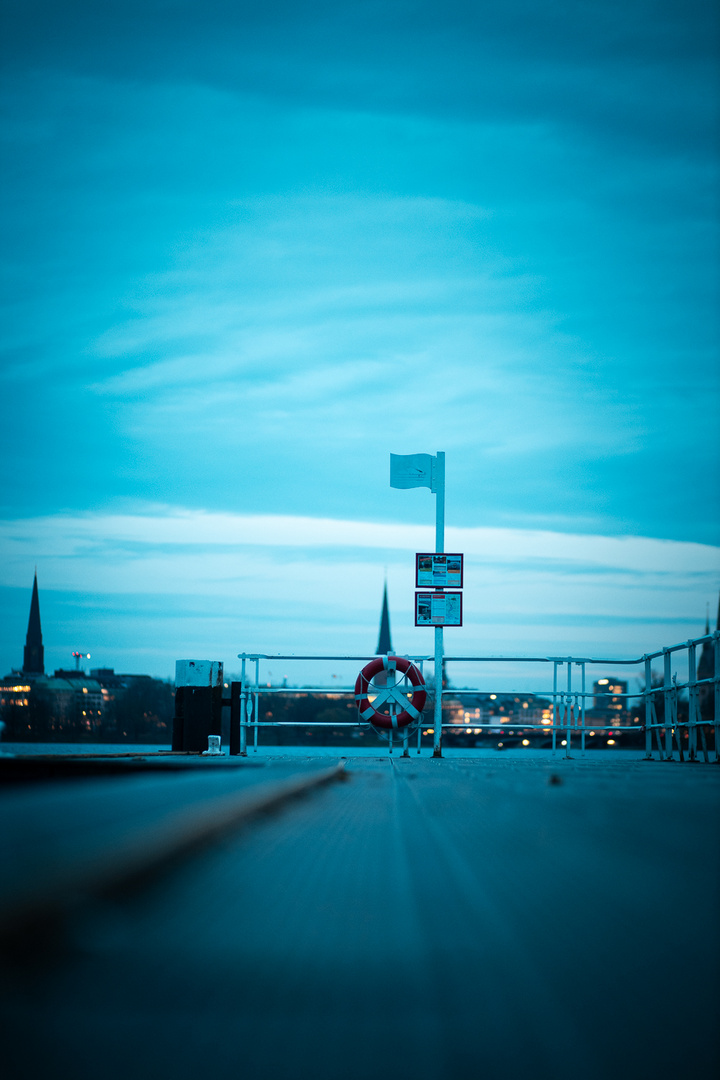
(199, 673)
(438, 609)
(438, 571)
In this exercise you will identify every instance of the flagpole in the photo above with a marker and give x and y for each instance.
(439, 486)
(423, 470)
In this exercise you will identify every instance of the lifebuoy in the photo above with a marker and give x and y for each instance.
(392, 695)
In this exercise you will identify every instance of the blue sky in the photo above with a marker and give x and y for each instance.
(249, 251)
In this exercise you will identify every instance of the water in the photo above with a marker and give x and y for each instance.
(381, 750)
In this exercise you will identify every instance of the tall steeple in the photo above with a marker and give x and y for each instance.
(706, 664)
(384, 645)
(33, 657)
(706, 670)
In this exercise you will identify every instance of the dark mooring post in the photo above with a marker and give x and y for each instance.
(198, 703)
(235, 707)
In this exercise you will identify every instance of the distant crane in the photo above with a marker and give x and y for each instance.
(78, 657)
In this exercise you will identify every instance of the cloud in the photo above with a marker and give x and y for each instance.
(602, 66)
(287, 559)
(142, 588)
(172, 527)
(457, 350)
(248, 250)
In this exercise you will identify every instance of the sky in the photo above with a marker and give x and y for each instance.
(248, 251)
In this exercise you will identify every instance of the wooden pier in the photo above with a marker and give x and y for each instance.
(492, 917)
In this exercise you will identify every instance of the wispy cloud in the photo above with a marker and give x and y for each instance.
(300, 584)
(170, 527)
(251, 249)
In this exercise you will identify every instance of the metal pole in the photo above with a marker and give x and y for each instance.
(554, 705)
(667, 702)
(243, 711)
(569, 709)
(437, 722)
(716, 650)
(582, 712)
(257, 704)
(676, 725)
(439, 487)
(648, 711)
(692, 702)
(419, 730)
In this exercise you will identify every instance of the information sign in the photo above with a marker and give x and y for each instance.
(438, 609)
(438, 571)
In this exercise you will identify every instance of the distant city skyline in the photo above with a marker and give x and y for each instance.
(249, 252)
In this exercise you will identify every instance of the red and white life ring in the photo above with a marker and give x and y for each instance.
(392, 695)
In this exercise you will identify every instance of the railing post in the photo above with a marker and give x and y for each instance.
(243, 710)
(257, 705)
(648, 709)
(419, 730)
(568, 709)
(582, 711)
(667, 704)
(555, 708)
(716, 650)
(676, 723)
(692, 702)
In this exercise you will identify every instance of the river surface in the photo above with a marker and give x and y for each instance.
(317, 751)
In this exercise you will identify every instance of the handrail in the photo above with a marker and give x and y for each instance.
(566, 705)
(428, 658)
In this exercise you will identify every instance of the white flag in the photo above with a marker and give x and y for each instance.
(411, 470)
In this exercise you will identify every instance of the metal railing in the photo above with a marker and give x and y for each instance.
(568, 702)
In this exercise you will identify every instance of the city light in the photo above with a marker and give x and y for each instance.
(526, 742)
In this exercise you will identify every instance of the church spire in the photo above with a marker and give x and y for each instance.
(706, 663)
(384, 645)
(33, 657)
(706, 670)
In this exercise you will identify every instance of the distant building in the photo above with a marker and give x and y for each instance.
(72, 705)
(39, 706)
(498, 709)
(610, 703)
(46, 706)
(606, 691)
(384, 645)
